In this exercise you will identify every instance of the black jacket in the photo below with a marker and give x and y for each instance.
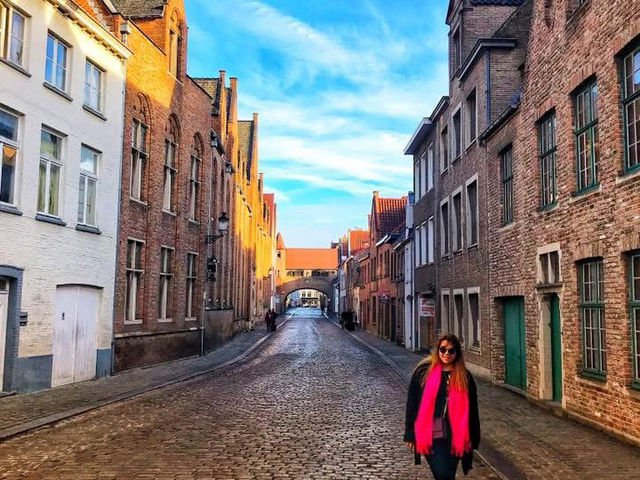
(413, 404)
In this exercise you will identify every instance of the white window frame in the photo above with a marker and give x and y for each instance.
(444, 152)
(452, 136)
(90, 67)
(457, 229)
(86, 177)
(14, 145)
(430, 155)
(194, 188)
(7, 11)
(445, 292)
(168, 175)
(131, 288)
(458, 323)
(55, 63)
(165, 274)
(470, 242)
(192, 281)
(49, 161)
(416, 179)
(423, 174)
(471, 342)
(430, 240)
(423, 243)
(445, 247)
(138, 158)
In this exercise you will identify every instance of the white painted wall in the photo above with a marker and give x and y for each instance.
(51, 254)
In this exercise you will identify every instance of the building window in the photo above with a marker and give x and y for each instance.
(87, 187)
(430, 236)
(138, 157)
(631, 107)
(457, 136)
(506, 163)
(471, 116)
(169, 173)
(457, 50)
(194, 188)
(423, 174)
(547, 153)
(473, 327)
(55, 70)
(416, 180)
(472, 213)
(93, 86)
(592, 317)
(9, 149)
(430, 154)
(586, 132)
(457, 221)
(445, 323)
(166, 280)
(458, 311)
(175, 45)
(12, 34)
(191, 286)
(423, 244)
(49, 176)
(444, 228)
(134, 296)
(416, 240)
(444, 150)
(549, 272)
(634, 309)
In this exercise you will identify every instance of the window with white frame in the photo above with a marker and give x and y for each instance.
(134, 293)
(423, 174)
(416, 243)
(194, 188)
(166, 282)
(471, 116)
(416, 180)
(444, 228)
(472, 212)
(444, 149)
(93, 86)
(430, 238)
(445, 320)
(56, 62)
(138, 158)
(88, 186)
(169, 173)
(12, 34)
(457, 221)
(9, 149)
(191, 286)
(423, 243)
(430, 154)
(458, 314)
(49, 173)
(473, 317)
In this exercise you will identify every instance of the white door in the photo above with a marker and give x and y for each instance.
(4, 307)
(74, 353)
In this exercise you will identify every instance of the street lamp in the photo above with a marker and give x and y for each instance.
(223, 228)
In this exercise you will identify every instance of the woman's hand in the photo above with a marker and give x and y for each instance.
(409, 445)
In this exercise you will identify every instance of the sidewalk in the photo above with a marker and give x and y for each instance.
(20, 413)
(522, 440)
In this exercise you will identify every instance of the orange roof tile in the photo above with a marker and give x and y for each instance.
(358, 241)
(311, 259)
(389, 213)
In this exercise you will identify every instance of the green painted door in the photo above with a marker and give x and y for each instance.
(556, 347)
(515, 362)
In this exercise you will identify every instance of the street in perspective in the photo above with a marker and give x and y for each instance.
(283, 239)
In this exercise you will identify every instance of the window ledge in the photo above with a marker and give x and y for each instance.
(173, 214)
(15, 66)
(138, 201)
(507, 226)
(88, 228)
(635, 385)
(444, 172)
(457, 159)
(585, 192)
(628, 175)
(548, 286)
(7, 208)
(50, 219)
(194, 223)
(191, 319)
(133, 322)
(548, 208)
(600, 377)
(471, 144)
(93, 112)
(473, 247)
(54, 89)
(165, 320)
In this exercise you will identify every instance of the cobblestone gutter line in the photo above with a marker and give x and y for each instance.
(501, 466)
(57, 417)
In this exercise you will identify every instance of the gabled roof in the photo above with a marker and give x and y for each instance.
(140, 8)
(358, 241)
(245, 141)
(389, 214)
(211, 85)
(311, 259)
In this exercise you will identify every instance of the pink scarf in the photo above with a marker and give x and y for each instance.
(457, 413)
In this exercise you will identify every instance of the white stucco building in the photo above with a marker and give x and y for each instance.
(61, 122)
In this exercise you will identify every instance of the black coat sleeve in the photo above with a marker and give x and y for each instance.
(413, 404)
(474, 414)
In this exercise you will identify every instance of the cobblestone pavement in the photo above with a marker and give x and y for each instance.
(312, 403)
(539, 444)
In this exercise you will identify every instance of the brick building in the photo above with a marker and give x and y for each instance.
(565, 190)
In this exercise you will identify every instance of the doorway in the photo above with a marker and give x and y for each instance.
(74, 351)
(514, 342)
(4, 317)
(552, 348)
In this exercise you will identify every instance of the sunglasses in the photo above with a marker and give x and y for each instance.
(450, 350)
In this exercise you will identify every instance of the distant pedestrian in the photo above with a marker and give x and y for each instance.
(442, 420)
(267, 320)
(274, 317)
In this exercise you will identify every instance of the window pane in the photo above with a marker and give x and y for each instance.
(88, 160)
(54, 182)
(636, 278)
(81, 198)
(633, 133)
(50, 145)
(8, 173)
(17, 38)
(91, 202)
(42, 186)
(8, 125)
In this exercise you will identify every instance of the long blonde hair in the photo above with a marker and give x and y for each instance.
(459, 372)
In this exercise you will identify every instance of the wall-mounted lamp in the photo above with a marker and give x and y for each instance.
(223, 228)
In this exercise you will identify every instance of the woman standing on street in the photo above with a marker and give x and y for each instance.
(442, 419)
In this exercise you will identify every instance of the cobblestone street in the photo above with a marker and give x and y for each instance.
(312, 403)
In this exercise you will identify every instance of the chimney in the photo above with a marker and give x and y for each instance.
(375, 193)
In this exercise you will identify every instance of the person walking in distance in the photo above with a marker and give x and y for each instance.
(442, 419)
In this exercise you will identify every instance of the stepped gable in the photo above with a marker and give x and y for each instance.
(245, 140)
(211, 85)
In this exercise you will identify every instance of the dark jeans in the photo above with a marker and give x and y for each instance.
(443, 464)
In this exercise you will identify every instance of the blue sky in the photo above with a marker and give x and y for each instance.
(339, 88)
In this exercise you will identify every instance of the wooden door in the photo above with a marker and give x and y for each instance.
(86, 319)
(556, 347)
(515, 360)
(4, 315)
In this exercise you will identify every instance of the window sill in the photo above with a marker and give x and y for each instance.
(507, 226)
(191, 319)
(194, 223)
(628, 175)
(548, 208)
(635, 385)
(165, 320)
(56, 90)
(7, 208)
(138, 201)
(457, 159)
(93, 112)
(50, 219)
(548, 286)
(471, 144)
(473, 247)
(600, 377)
(138, 321)
(15, 66)
(444, 172)
(88, 228)
(585, 192)
(173, 214)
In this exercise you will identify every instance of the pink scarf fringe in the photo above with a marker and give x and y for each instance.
(457, 412)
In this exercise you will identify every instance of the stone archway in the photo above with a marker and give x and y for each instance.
(321, 284)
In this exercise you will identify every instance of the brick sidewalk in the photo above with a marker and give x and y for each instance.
(522, 440)
(19, 413)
